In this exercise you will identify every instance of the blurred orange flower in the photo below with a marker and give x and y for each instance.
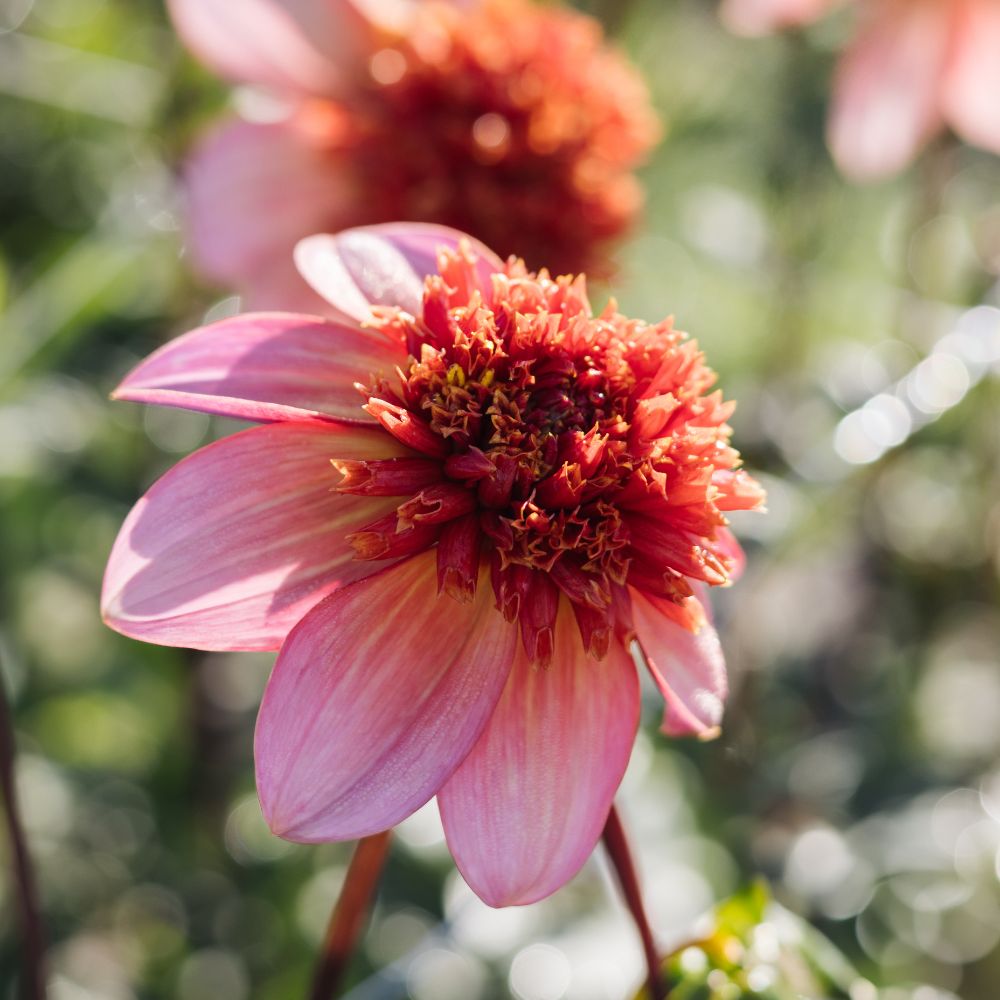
(505, 119)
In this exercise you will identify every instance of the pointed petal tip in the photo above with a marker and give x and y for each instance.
(289, 828)
(690, 729)
(307, 826)
(501, 900)
(456, 586)
(688, 667)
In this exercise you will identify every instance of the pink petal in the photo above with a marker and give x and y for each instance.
(309, 46)
(972, 87)
(376, 697)
(236, 543)
(526, 807)
(264, 366)
(254, 190)
(759, 17)
(886, 94)
(383, 265)
(689, 668)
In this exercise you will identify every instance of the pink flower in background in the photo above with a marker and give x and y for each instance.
(467, 497)
(507, 119)
(913, 67)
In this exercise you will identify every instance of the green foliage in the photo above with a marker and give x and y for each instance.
(758, 949)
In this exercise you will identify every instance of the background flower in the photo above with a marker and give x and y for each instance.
(507, 119)
(914, 67)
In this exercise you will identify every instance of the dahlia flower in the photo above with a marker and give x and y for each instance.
(504, 118)
(913, 67)
(467, 497)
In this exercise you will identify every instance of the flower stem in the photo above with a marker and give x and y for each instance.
(616, 844)
(33, 985)
(349, 915)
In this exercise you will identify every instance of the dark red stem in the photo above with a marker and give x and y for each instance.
(616, 844)
(33, 954)
(350, 914)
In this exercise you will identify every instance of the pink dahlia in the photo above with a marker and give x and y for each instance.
(914, 66)
(467, 498)
(503, 118)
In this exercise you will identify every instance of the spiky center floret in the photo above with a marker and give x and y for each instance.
(578, 454)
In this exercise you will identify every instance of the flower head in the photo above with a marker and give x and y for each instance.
(913, 67)
(469, 497)
(504, 118)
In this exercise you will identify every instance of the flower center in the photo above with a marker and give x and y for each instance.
(576, 453)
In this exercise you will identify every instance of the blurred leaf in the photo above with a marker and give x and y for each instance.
(756, 948)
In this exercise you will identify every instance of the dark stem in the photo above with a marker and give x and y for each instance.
(616, 844)
(350, 914)
(33, 985)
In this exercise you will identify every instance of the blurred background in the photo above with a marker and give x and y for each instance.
(859, 768)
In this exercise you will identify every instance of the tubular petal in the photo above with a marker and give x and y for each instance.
(526, 807)
(737, 490)
(235, 543)
(410, 430)
(885, 101)
(387, 539)
(435, 505)
(664, 548)
(726, 545)
(383, 265)
(595, 630)
(688, 668)
(376, 697)
(972, 84)
(539, 613)
(458, 558)
(263, 366)
(391, 477)
(253, 191)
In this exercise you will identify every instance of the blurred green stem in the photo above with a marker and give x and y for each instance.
(33, 984)
(616, 844)
(350, 914)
